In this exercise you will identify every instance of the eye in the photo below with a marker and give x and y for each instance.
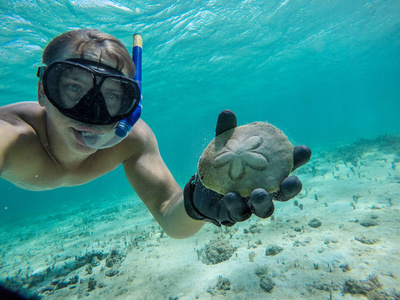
(74, 88)
(113, 102)
(112, 96)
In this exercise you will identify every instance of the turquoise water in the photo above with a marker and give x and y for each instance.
(326, 72)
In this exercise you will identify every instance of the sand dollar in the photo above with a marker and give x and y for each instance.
(256, 155)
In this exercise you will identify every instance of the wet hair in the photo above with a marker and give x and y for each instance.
(93, 41)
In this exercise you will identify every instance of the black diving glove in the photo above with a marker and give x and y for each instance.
(202, 203)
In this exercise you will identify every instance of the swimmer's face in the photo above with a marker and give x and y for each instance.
(89, 92)
(69, 130)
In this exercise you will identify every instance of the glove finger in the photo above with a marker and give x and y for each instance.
(290, 187)
(239, 209)
(227, 223)
(301, 155)
(262, 203)
(226, 120)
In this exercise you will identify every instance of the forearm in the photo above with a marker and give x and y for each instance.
(174, 219)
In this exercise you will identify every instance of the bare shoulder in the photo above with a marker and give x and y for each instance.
(140, 141)
(19, 124)
(20, 118)
(21, 114)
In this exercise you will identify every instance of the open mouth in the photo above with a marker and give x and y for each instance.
(87, 136)
(87, 130)
(78, 137)
(82, 135)
(93, 137)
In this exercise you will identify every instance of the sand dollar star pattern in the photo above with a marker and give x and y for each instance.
(241, 155)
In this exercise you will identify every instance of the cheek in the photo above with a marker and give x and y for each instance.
(55, 117)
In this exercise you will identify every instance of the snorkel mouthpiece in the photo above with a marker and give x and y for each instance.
(124, 127)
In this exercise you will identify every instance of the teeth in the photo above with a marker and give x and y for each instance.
(87, 134)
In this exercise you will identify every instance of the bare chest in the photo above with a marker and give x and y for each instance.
(39, 171)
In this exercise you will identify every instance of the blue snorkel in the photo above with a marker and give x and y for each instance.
(124, 126)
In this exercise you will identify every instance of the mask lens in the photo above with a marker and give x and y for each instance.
(118, 95)
(67, 85)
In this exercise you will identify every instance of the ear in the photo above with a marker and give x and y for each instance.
(41, 94)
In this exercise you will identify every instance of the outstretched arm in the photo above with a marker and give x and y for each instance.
(8, 137)
(156, 187)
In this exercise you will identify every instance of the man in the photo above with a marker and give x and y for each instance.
(70, 137)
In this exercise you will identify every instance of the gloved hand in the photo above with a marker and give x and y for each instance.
(202, 203)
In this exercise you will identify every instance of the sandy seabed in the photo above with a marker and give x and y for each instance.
(338, 239)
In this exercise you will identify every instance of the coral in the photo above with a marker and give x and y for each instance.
(261, 271)
(353, 153)
(369, 223)
(217, 251)
(371, 287)
(92, 284)
(273, 250)
(314, 223)
(366, 240)
(266, 283)
(223, 285)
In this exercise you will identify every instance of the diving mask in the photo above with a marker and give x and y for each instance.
(89, 92)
